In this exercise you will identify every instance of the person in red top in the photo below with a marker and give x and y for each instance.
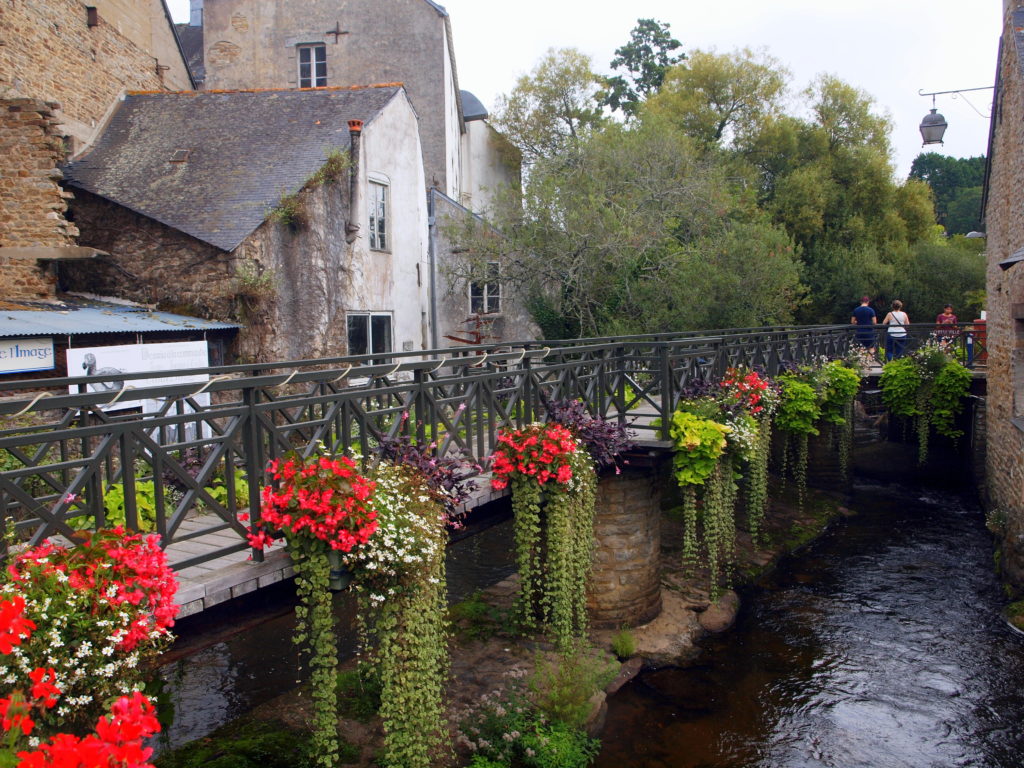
(946, 322)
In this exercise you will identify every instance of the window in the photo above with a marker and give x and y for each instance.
(312, 66)
(485, 297)
(378, 216)
(369, 334)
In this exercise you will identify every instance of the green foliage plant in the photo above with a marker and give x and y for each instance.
(549, 467)
(250, 744)
(399, 576)
(623, 643)
(359, 692)
(928, 386)
(562, 688)
(114, 506)
(798, 413)
(290, 210)
(506, 728)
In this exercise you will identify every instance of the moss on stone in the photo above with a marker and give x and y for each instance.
(248, 743)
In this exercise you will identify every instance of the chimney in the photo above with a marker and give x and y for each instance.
(355, 130)
(195, 15)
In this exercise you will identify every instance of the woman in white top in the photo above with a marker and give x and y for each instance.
(896, 337)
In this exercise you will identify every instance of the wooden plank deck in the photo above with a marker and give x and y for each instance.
(203, 586)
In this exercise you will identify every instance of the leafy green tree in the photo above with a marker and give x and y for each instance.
(952, 180)
(721, 99)
(639, 233)
(552, 108)
(645, 59)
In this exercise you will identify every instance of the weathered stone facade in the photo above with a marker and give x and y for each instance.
(253, 44)
(1004, 224)
(452, 290)
(48, 51)
(283, 284)
(32, 203)
(625, 587)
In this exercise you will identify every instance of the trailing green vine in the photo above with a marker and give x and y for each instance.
(399, 576)
(757, 479)
(928, 386)
(320, 504)
(547, 465)
(314, 629)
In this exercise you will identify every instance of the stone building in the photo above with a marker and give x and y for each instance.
(63, 66)
(310, 44)
(300, 213)
(1004, 226)
(305, 43)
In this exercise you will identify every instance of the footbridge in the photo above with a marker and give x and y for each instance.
(188, 461)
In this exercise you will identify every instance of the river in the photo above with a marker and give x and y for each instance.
(881, 646)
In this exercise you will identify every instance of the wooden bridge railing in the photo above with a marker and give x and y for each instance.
(67, 461)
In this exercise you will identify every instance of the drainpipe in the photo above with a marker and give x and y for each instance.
(355, 130)
(432, 256)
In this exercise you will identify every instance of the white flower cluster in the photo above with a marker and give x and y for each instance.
(742, 434)
(88, 670)
(409, 536)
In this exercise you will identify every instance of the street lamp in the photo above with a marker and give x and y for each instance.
(934, 125)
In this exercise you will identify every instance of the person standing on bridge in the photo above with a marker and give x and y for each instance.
(946, 325)
(896, 337)
(865, 319)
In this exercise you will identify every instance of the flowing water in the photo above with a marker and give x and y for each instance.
(882, 646)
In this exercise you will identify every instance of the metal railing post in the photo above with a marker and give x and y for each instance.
(667, 393)
(253, 465)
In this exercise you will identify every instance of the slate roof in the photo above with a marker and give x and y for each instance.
(472, 107)
(191, 40)
(245, 148)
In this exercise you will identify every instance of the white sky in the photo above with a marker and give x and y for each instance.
(889, 48)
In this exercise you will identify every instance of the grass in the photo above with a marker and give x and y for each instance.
(476, 619)
(247, 744)
(1015, 614)
(358, 694)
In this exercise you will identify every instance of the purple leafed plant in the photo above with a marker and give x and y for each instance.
(604, 439)
(453, 478)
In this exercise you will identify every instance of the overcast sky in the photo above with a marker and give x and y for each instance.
(889, 48)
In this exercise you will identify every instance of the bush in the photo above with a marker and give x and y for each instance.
(250, 745)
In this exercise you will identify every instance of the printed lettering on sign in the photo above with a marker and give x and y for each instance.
(18, 355)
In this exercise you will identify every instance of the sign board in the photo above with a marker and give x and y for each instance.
(18, 355)
(108, 362)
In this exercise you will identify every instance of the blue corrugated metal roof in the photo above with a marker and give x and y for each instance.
(74, 320)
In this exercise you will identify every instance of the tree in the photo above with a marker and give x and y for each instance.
(846, 115)
(645, 59)
(956, 183)
(552, 108)
(721, 99)
(636, 234)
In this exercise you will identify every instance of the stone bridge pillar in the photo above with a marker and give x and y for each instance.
(625, 586)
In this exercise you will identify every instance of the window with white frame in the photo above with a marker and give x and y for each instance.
(379, 239)
(485, 296)
(369, 333)
(312, 65)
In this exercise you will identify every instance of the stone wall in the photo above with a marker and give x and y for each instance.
(625, 585)
(32, 203)
(48, 51)
(285, 285)
(1005, 235)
